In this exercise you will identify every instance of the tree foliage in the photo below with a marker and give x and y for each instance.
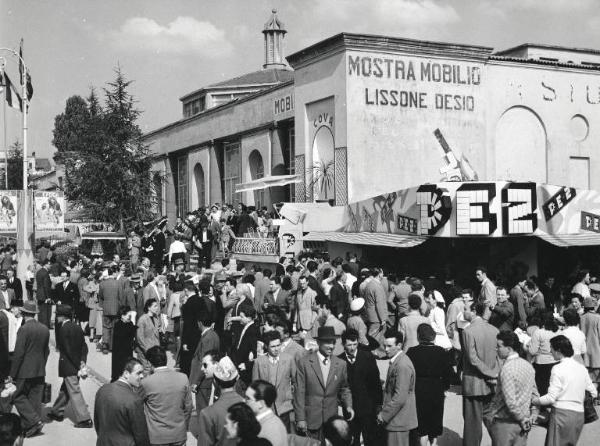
(14, 168)
(107, 167)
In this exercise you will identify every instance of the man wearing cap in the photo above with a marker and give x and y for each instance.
(28, 369)
(590, 325)
(356, 321)
(321, 380)
(211, 426)
(70, 342)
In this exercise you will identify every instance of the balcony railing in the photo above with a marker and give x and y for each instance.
(256, 246)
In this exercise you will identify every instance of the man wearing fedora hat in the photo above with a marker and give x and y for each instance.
(28, 369)
(321, 379)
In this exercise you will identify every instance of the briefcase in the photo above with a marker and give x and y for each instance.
(47, 394)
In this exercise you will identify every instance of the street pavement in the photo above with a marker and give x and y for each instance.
(65, 434)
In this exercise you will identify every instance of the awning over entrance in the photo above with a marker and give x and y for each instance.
(567, 240)
(367, 238)
(265, 182)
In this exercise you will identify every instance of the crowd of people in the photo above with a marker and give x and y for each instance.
(312, 351)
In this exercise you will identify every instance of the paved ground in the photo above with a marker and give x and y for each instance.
(64, 434)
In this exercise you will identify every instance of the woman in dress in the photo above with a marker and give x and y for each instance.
(95, 317)
(433, 372)
(568, 383)
(437, 318)
(124, 331)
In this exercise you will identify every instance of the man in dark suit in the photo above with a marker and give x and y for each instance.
(399, 410)
(209, 341)
(365, 385)
(119, 410)
(321, 380)
(109, 296)
(28, 369)
(190, 335)
(280, 371)
(243, 353)
(480, 371)
(167, 401)
(73, 349)
(66, 292)
(15, 284)
(44, 292)
(338, 295)
(208, 299)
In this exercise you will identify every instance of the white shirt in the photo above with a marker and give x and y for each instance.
(581, 289)
(350, 279)
(568, 382)
(577, 338)
(176, 247)
(5, 297)
(395, 356)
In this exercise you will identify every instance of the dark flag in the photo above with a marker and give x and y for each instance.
(28, 77)
(12, 97)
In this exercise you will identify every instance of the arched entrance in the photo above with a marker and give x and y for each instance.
(322, 168)
(200, 184)
(257, 170)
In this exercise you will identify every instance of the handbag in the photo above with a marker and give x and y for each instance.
(589, 412)
(47, 394)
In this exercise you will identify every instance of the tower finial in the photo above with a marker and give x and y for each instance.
(274, 32)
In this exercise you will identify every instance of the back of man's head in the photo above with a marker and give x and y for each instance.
(264, 391)
(337, 432)
(157, 356)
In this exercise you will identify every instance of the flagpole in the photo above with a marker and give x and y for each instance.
(2, 64)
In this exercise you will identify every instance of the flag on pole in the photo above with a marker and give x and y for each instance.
(12, 96)
(21, 68)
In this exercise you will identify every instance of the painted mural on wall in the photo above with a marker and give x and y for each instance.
(49, 211)
(8, 212)
(321, 170)
(487, 209)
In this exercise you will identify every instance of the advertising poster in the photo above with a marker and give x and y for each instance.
(8, 212)
(49, 211)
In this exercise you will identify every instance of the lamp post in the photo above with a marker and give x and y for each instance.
(25, 223)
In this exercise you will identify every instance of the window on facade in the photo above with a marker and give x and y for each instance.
(233, 172)
(182, 185)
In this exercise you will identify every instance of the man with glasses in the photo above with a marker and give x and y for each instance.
(280, 371)
(209, 341)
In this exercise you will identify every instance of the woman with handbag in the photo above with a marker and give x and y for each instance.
(569, 382)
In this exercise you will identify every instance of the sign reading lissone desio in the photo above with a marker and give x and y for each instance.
(49, 211)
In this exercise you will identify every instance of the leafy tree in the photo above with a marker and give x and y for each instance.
(107, 167)
(15, 168)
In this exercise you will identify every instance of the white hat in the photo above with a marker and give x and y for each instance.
(225, 370)
(357, 304)
(438, 297)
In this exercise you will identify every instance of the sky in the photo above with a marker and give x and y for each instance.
(172, 47)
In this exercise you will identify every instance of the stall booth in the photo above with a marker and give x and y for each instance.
(435, 228)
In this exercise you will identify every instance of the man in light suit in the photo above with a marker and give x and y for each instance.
(487, 293)
(280, 371)
(119, 410)
(289, 347)
(7, 295)
(375, 303)
(211, 426)
(480, 371)
(399, 411)
(321, 379)
(260, 396)
(28, 369)
(167, 401)
(209, 341)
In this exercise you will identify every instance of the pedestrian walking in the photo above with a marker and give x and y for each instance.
(109, 296)
(28, 369)
(70, 342)
(260, 397)
(119, 410)
(124, 331)
(398, 414)
(148, 332)
(167, 401)
(44, 292)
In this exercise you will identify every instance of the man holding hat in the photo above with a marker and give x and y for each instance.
(73, 349)
(28, 369)
(212, 418)
(321, 379)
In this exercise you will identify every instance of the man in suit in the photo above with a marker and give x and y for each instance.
(480, 371)
(44, 292)
(28, 369)
(66, 292)
(365, 386)
(338, 295)
(70, 342)
(280, 371)
(243, 353)
(14, 284)
(375, 304)
(209, 341)
(399, 411)
(277, 296)
(289, 347)
(321, 380)
(487, 293)
(167, 401)
(7, 295)
(211, 427)
(119, 410)
(260, 396)
(207, 296)
(109, 296)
